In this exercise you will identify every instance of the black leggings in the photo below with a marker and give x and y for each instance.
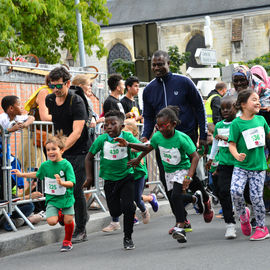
(120, 200)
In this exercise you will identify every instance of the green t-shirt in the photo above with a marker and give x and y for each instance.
(224, 156)
(141, 169)
(249, 136)
(46, 172)
(174, 151)
(113, 158)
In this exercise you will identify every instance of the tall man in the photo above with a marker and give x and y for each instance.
(69, 115)
(178, 90)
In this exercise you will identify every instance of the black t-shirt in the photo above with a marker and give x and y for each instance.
(63, 117)
(128, 104)
(112, 103)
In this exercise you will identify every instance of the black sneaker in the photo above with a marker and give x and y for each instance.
(79, 236)
(128, 244)
(179, 234)
(67, 246)
(199, 205)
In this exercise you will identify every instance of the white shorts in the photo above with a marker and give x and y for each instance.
(177, 176)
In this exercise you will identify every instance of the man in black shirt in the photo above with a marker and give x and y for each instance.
(69, 115)
(130, 104)
(117, 87)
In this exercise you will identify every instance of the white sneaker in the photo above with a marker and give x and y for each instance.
(230, 231)
(145, 216)
(113, 226)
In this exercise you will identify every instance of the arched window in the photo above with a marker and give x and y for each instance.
(117, 51)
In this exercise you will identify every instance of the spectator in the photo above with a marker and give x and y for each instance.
(178, 90)
(117, 87)
(69, 114)
(212, 105)
(130, 104)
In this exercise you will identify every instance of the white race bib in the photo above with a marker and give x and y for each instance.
(171, 156)
(254, 137)
(224, 132)
(53, 188)
(114, 152)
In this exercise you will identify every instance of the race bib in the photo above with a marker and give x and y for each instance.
(223, 132)
(171, 156)
(53, 188)
(254, 137)
(114, 152)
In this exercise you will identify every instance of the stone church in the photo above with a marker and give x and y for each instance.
(240, 28)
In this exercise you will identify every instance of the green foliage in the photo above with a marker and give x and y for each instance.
(263, 60)
(44, 27)
(125, 68)
(177, 59)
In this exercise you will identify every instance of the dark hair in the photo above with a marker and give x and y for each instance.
(129, 81)
(230, 99)
(58, 73)
(115, 113)
(8, 101)
(220, 86)
(171, 113)
(114, 80)
(160, 53)
(243, 97)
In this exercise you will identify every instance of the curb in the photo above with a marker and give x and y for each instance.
(27, 239)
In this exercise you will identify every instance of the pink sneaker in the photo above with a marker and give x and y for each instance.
(245, 224)
(261, 233)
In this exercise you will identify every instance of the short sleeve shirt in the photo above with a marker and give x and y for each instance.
(174, 151)
(113, 158)
(112, 103)
(5, 120)
(224, 156)
(249, 136)
(47, 171)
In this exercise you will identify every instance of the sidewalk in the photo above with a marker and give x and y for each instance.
(26, 239)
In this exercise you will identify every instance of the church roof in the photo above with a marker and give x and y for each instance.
(126, 12)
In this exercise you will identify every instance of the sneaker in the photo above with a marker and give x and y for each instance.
(179, 234)
(245, 224)
(154, 202)
(198, 205)
(136, 221)
(61, 218)
(43, 215)
(171, 230)
(128, 244)
(253, 223)
(209, 212)
(261, 233)
(230, 231)
(18, 222)
(187, 226)
(113, 226)
(145, 216)
(67, 246)
(79, 236)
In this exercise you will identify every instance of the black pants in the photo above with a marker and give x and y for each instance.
(224, 194)
(178, 199)
(120, 200)
(77, 163)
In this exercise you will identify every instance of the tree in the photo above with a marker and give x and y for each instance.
(45, 27)
(177, 59)
(125, 68)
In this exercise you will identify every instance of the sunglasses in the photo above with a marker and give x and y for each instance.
(57, 86)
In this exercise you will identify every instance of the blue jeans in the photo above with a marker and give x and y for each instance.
(139, 186)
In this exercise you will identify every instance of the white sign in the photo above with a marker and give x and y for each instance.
(206, 57)
(208, 73)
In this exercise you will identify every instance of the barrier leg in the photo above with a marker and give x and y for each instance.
(9, 220)
(99, 202)
(16, 208)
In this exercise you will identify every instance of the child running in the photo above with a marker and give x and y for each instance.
(175, 148)
(226, 163)
(246, 143)
(119, 181)
(140, 174)
(59, 182)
